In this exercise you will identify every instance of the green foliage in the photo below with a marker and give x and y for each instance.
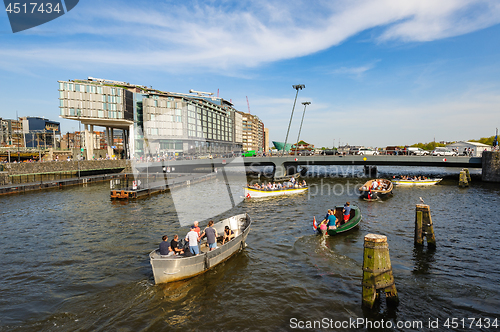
(484, 140)
(427, 146)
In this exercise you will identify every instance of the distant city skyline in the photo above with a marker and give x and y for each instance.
(377, 73)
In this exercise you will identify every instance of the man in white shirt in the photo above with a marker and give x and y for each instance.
(192, 237)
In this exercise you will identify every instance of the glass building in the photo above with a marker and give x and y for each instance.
(154, 123)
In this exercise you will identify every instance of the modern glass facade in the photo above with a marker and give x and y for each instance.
(158, 123)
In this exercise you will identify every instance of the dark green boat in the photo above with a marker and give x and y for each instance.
(353, 221)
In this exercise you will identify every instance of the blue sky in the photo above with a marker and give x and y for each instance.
(377, 72)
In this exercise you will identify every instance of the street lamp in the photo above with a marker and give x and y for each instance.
(296, 87)
(300, 128)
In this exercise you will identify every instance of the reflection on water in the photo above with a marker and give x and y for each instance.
(74, 260)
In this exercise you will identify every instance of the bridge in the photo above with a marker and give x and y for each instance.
(287, 165)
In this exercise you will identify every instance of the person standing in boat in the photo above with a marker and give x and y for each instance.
(211, 234)
(346, 212)
(165, 249)
(193, 238)
(197, 228)
(332, 220)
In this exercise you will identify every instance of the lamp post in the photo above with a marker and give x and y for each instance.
(296, 87)
(300, 128)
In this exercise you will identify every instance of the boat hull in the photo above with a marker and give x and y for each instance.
(428, 182)
(173, 268)
(373, 194)
(354, 220)
(256, 193)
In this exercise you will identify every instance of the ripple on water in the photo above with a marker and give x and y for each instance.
(84, 264)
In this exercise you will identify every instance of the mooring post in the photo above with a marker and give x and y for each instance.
(423, 226)
(463, 181)
(467, 173)
(377, 271)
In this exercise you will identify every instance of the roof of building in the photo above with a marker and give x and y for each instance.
(461, 143)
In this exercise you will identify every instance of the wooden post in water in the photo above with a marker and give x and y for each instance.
(468, 174)
(423, 226)
(377, 271)
(463, 181)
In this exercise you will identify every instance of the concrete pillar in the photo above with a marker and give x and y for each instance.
(88, 143)
(109, 140)
(92, 141)
(491, 166)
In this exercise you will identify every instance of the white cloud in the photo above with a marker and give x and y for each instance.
(233, 35)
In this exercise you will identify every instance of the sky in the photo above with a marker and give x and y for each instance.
(377, 72)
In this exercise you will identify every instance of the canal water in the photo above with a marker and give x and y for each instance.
(72, 260)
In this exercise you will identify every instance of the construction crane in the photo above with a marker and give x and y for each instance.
(248, 104)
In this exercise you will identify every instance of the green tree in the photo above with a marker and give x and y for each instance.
(484, 140)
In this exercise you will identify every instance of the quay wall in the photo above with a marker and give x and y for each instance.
(491, 166)
(14, 172)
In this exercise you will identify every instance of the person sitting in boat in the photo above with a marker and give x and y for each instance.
(228, 235)
(374, 185)
(323, 226)
(304, 184)
(211, 234)
(346, 211)
(332, 220)
(193, 238)
(165, 249)
(174, 245)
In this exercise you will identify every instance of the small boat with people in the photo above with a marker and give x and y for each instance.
(338, 220)
(415, 181)
(376, 188)
(275, 189)
(173, 267)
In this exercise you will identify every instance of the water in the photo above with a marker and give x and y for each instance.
(72, 260)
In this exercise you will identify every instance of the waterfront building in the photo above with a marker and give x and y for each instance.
(40, 132)
(153, 122)
(11, 133)
(266, 140)
(475, 148)
(253, 132)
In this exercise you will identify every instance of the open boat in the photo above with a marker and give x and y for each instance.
(354, 219)
(260, 193)
(407, 182)
(370, 192)
(177, 267)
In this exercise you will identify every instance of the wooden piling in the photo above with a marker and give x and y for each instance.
(467, 173)
(423, 226)
(463, 181)
(377, 271)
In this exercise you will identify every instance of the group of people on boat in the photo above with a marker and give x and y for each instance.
(331, 222)
(379, 185)
(292, 184)
(410, 178)
(193, 239)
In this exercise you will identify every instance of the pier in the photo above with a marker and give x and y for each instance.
(130, 187)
